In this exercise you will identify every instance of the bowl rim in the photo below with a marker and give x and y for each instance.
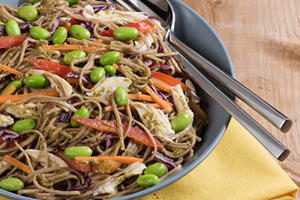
(189, 168)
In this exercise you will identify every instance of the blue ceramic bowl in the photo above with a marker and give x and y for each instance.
(193, 30)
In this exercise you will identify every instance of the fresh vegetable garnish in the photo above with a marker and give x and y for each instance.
(10, 70)
(169, 80)
(121, 159)
(159, 100)
(19, 97)
(17, 164)
(12, 41)
(142, 27)
(111, 126)
(49, 66)
(105, 167)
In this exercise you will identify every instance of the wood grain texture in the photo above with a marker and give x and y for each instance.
(262, 38)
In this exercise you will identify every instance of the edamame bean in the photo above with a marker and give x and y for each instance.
(24, 125)
(110, 70)
(79, 32)
(109, 58)
(83, 151)
(121, 96)
(181, 121)
(1, 23)
(60, 35)
(33, 1)
(29, 13)
(36, 81)
(157, 169)
(17, 84)
(12, 184)
(72, 2)
(83, 113)
(147, 180)
(74, 55)
(12, 28)
(97, 74)
(39, 33)
(126, 33)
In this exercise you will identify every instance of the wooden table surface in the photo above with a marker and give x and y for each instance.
(263, 38)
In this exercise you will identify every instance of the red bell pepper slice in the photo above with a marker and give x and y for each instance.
(70, 23)
(12, 143)
(49, 66)
(12, 41)
(106, 167)
(111, 126)
(141, 26)
(169, 80)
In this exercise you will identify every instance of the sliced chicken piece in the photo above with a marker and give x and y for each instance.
(29, 110)
(109, 85)
(155, 120)
(5, 120)
(180, 101)
(110, 185)
(41, 156)
(63, 87)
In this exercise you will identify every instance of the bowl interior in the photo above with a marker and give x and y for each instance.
(193, 30)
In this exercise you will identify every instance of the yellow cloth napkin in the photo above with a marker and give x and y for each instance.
(239, 168)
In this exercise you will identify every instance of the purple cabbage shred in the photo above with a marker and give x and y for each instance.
(2, 29)
(7, 135)
(166, 160)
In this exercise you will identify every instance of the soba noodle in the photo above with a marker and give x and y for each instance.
(53, 135)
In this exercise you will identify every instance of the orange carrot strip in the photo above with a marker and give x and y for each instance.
(10, 90)
(11, 70)
(116, 66)
(140, 97)
(99, 41)
(144, 31)
(202, 114)
(16, 98)
(121, 159)
(17, 164)
(136, 97)
(162, 85)
(170, 80)
(73, 47)
(109, 108)
(158, 100)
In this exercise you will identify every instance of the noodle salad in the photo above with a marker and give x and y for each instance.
(93, 104)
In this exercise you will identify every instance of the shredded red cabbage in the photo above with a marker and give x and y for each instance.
(112, 7)
(99, 7)
(85, 78)
(160, 48)
(25, 27)
(2, 29)
(66, 116)
(56, 25)
(31, 40)
(86, 24)
(201, 99)
(7, 134)
(166, 160)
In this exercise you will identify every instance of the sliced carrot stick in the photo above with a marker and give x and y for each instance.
(11, 70)
(99, 41)
(109, 108)
(144, 31)
(121, 159)
(73, 47)
(202, 114)
(136, 97)
(16, 98)
(170, 80)
(10, 90)
(162, 85)
(17, 164)
(158, 100)
(116, 66)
